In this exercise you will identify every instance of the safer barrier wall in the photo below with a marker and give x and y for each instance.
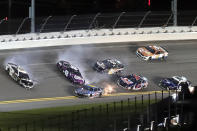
(97, 36)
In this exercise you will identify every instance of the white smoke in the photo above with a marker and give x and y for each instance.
(21, 60)
(81, 57)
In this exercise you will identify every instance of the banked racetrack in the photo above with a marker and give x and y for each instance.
(53, 89)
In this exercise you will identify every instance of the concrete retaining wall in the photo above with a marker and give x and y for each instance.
(97, 36)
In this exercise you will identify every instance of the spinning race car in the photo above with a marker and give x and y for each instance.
(134, 82)
(71, 72)
(110, 66)
(174, 83)
(19, 75)
(89, 91)
(152, 52)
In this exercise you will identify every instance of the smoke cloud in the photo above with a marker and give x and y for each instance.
(81, 57)
(21, 60)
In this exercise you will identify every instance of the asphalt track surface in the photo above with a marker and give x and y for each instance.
(53, 89)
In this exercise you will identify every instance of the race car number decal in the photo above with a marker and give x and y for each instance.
(66, 73)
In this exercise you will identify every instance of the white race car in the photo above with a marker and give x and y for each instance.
(19, 75)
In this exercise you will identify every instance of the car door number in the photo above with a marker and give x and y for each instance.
(66, 73)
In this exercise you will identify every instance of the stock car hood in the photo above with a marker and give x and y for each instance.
(127, 81)
(144, 52)
(168, 82)
(82, 91)
(27, 82)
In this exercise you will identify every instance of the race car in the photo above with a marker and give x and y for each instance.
(110, 66)
(19, 75)
(89, 91)
(71, 72)
(133, 81)
(174, 83)
(152, 52)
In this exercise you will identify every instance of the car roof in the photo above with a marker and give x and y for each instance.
(156, 48)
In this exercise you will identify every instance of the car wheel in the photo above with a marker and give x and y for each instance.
(149, 58)
(90, 95)
(100, 95)
(163, 58)
(8, 70)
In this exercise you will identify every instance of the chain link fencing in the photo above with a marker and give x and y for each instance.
(97, 21)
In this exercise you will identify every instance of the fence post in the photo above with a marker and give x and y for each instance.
(162, 95)
(114, 106)
(129, 104)
(72, 121)
(135, 104)
(116, 22)
(21, 25)
(107, 111)
(156, 107)
(90, 26)
(100, 109)
(148, 120)
(194, 21)
(169, 105)
(71, 18)
(59, 122)
(17, 127)
(25, 126)
(141, 22)
(128, 122)
(43, 25)
(34, 125)
(115, 125)
(85, 111)
(121, 108)
(166, 24)
(142, 102)
(93, 119)
(182, 117)
(42, 125)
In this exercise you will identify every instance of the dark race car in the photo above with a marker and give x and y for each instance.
(89, 91)
(110, 66)
(174, 83)
(71, 72)
(134, 82)
(19, 75)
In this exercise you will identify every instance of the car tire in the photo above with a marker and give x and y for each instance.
(90, 95)
(8, 70)
(100, 95)
(149, 58)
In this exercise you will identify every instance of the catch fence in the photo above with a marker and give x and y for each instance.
(139, 111)
(97, 21)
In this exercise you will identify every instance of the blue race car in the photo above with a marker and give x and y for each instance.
(89, 91)
(135, 82)
(174, 83)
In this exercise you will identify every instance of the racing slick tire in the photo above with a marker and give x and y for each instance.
(163, 58)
